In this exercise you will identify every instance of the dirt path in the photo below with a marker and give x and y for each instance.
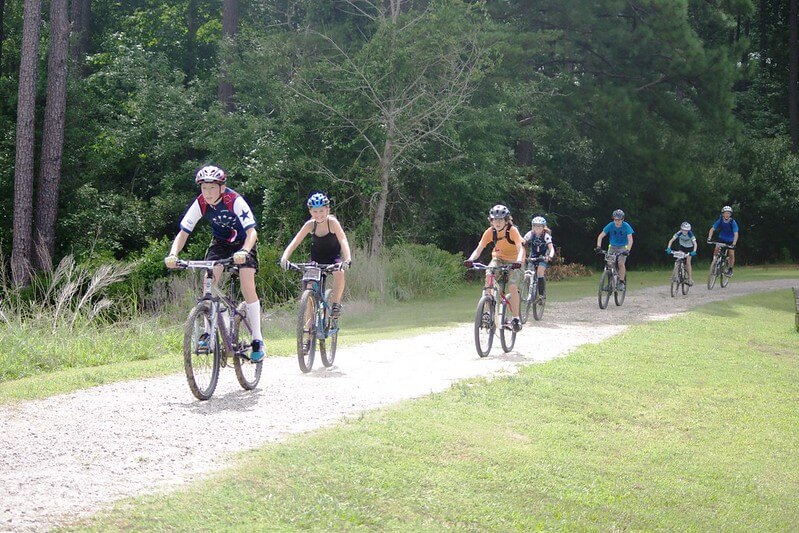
(69, 455)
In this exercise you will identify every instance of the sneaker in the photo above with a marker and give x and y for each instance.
(335, 310)
(729, 272)
(257, 351)
(202, 342)
(516, 324)
(690, 283)
(621, 286)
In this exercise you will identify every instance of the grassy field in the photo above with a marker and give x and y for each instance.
(63, 363)
(688, 424)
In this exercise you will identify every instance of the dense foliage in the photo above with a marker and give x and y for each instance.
(668, 109)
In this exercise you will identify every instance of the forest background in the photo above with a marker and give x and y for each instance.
(414, 116)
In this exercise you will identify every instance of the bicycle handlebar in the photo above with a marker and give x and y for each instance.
(302, 267)
(722, 244)
(204, 264)
(607, 252)
(481, 266)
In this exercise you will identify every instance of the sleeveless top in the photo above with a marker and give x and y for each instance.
(325, 249)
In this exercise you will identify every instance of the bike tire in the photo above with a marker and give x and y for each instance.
(538, 305)
(604, 290)
(328, 351)
(711, 277)
(724, 279)
(248, 373)
(527, 297)
(484, 326)
(507, 337)
(618, 296)
(306, 330)
(674, 287)
(684, 282)
(201, 365)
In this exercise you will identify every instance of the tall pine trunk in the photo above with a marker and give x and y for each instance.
(793, 79)
(2, 30)
(53, 138)
(80, 17)
(230, 27)
(24, 165)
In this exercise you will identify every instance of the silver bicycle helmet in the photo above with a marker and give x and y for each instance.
(726, 209)
(686, 226)
(499, 211)
(210, 174)
(618, 213)
(539, 220)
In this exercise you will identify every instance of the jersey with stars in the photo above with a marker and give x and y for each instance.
(230, 218)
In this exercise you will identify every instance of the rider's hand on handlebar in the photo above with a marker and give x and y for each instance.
(171, 261)
(598, 250)
(240, 257)
(345, 265)
(668, 250)
(515, 265)
(693, 254)
(468, 264)
(284, 263)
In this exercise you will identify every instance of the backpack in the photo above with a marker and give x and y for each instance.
(507, 234)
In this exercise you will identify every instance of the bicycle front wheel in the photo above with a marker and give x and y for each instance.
(200, 352)
(684, 281)
(484, 326)
(538, 306)
(247, 373)
(306, 330)
(528, 295)
(724, 278)
(618, 295)
(604, 290)
(507, 337)
(328, 350)
(714, 272)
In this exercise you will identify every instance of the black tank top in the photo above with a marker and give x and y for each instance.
(325, 249)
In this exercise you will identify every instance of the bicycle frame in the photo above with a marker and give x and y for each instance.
(318, 287)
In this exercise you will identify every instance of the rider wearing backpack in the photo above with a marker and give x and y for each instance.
(508, 250)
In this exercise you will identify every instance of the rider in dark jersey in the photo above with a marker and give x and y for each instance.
(329, 244)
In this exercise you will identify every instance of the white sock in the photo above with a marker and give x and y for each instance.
(254, 317)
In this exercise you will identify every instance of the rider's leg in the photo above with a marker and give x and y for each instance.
(541, 281)
(732, 259)
(689, 268)
(338, 292)
(247, 277)
(621, 262)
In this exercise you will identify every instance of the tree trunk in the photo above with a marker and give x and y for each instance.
(230, 27)
(23, 167)
(53, 137)
(793, 96)
(190, 61)
(2, 30)
(763, 19)
(379, 219)
(80, 16)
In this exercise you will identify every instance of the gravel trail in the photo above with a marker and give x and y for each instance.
(68, 456)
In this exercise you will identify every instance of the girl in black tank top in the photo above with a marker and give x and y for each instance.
(325, 249)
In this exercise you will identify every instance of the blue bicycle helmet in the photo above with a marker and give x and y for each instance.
(317, 199)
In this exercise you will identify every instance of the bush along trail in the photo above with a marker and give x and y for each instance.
(135, 437)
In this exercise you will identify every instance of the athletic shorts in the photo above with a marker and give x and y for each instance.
(224, 250)
(515, 277)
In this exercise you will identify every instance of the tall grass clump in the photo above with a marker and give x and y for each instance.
(403, 272)
(66, 318)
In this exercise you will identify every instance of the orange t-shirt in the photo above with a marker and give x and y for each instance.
(503, 250)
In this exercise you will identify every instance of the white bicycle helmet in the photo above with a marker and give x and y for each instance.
(618, 213)
(539, 220)
(499, 211)
(726, 209)
(210, 174)
(686, 226)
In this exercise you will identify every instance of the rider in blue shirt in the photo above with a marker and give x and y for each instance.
(728, 234)
(621, 239)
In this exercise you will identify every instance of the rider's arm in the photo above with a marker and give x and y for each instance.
(629, 242)
(710, 233)
(734, 238)
(346, 256)
(550, 250)
(249, 242)
(670, 241)
(178, 243)
(304, 230)
(476, 253)
(599, 239)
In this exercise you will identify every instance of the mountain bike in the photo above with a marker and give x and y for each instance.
(314, 320)
(529, 290)
(679, 276)
(610, 282)
(720, 265)
(485, 320)
(216, 331)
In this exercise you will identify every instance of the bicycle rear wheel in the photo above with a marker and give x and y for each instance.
(527, 297)
(507, 337)
(618, 295)
(604, 289)
(306, 330)
(714, 272)
(247, 373)
(328, 351)
(484, 326)
(200, 354)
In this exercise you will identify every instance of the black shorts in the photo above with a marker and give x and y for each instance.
(327, 260)
(223, 250)
(686, 249)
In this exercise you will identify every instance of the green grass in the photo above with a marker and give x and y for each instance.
(137, 350)
(684, 424)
